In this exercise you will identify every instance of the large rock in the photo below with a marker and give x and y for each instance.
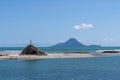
(31, 50)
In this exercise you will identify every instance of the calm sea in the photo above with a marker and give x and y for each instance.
(61, 50)
(102, 68)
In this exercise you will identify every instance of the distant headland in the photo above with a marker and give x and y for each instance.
(72, 42)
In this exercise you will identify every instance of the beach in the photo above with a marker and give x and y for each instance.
(15, 55)
(48, 56)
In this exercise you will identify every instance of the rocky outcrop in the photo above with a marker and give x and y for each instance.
(110, 51)
(31, 50)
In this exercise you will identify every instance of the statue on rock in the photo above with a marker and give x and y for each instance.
(31, 50)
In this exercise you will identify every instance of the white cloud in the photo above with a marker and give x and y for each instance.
(82, 26)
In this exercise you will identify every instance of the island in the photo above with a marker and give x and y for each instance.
(72, 43)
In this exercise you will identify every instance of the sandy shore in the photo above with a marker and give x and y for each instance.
(52, 56)
(48, 56)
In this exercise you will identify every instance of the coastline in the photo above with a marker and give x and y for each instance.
(53, 56)
(48, 56)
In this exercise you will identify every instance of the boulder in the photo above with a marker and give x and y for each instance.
(31, 50)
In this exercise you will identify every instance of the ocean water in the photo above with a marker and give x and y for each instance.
(100, 68)
(61, 50)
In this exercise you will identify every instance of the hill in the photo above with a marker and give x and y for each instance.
(72, 42)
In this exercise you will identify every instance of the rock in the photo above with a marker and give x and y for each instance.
(110, 51)
(31, 50)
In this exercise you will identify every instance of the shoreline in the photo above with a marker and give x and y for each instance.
(48, 56)
(56, 56)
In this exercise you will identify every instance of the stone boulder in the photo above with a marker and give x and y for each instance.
(31, 50)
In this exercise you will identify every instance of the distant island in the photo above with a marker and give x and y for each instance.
(72, 42)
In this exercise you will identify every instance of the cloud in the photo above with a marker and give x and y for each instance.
(82, 26)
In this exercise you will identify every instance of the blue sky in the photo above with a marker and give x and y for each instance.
(47, 22)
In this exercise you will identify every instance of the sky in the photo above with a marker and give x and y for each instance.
(47, 22)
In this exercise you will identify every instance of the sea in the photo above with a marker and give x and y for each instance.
(97, 68)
